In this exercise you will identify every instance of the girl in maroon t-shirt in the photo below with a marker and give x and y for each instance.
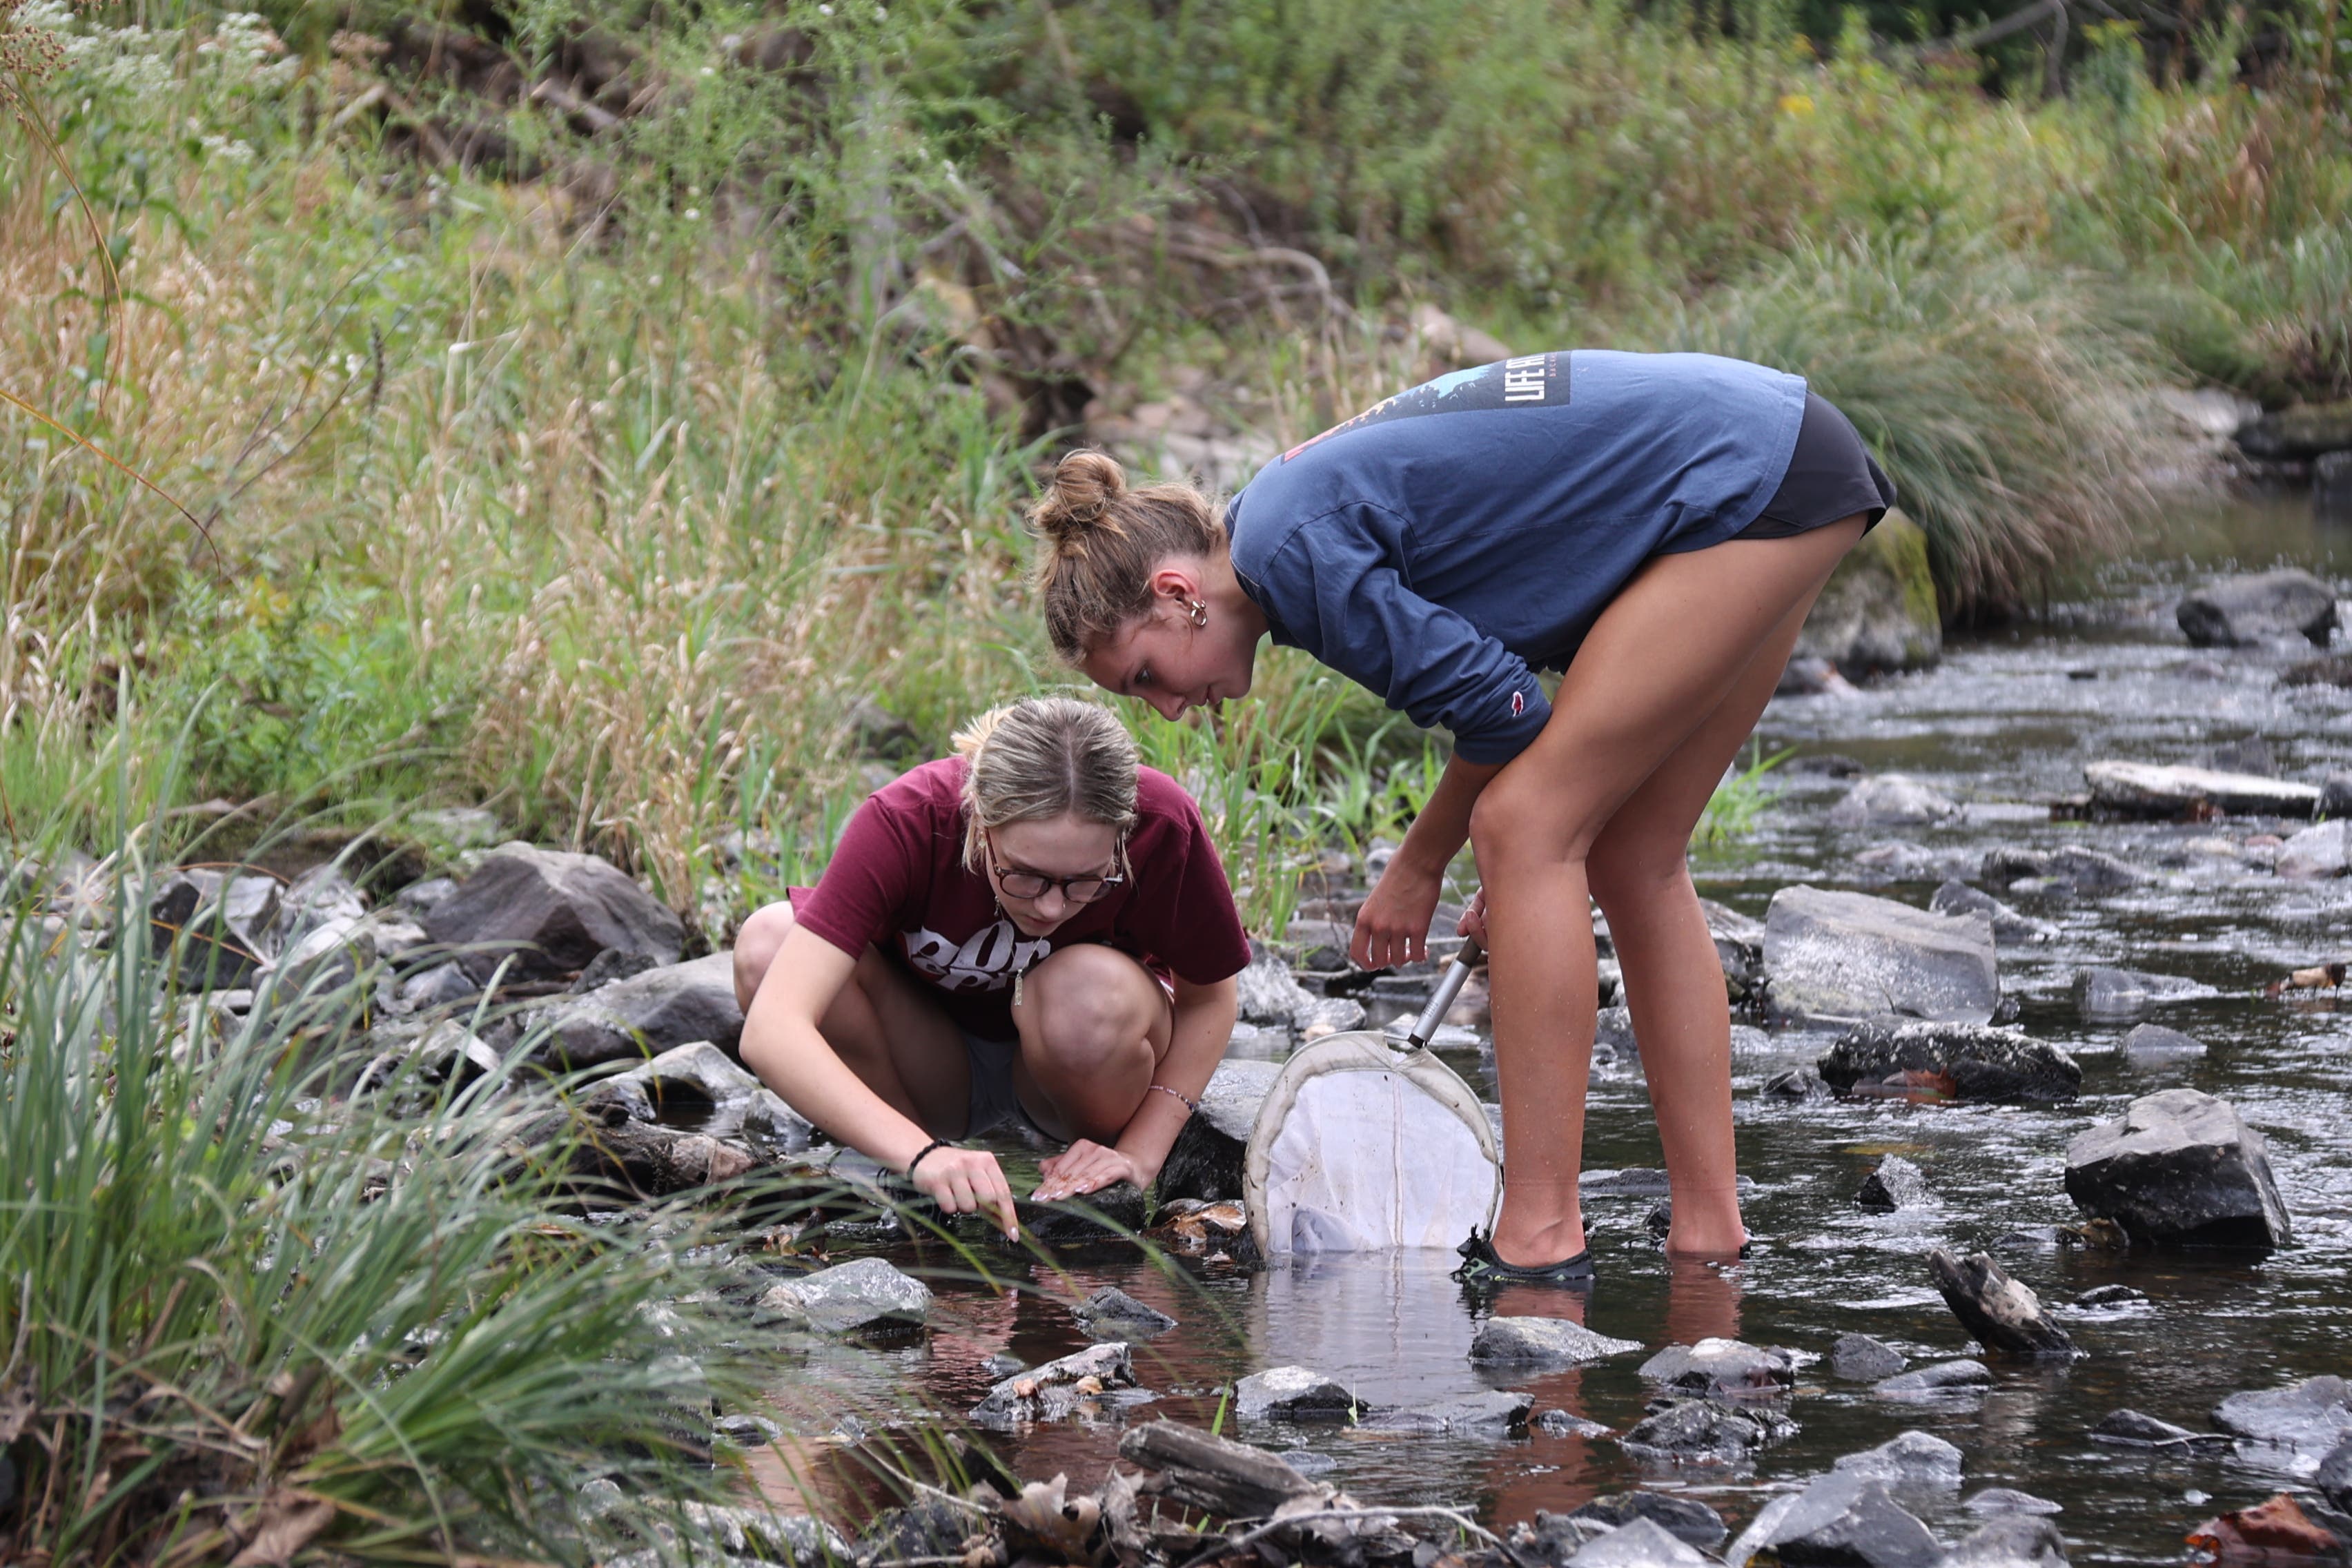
(1035, 927)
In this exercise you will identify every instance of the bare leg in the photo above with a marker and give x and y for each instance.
(1094, 1024)
(1667, 653)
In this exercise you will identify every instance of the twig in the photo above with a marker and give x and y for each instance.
(1329, 1515)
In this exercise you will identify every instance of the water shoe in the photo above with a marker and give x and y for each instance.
(1481, 1267)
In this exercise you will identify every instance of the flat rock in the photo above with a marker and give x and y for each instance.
(1841, 1520)
(2078, 868)
(2180, 1168)
(1908, 1460)
(1891, 800)
(1836, 956)
(552, 912)
(1644, 1543)
(2318, 852)
(1568, 1424)
(2008, 1499)
(654, 1010)
(2334, 1479)
(2014, 1540)
(1110, 1313)
(697, 1087)
(1205, 1161)
(2132, 1430)
(1977, 1061)
(2009, 929)
(1479, 1415)
(1109, 1216)
(2258, 607)
(1057, 1389)
(1936, 1378)
(1292, 1394)
(1687, 1520)
(2002, 1314)
(850, 1296)
(2148, 789)
(1864, 1359)
(2149, 1044)
(435, 1054)
(2128, 992)
(2312, 1416)
(2297, 432)
(1706, 1432)
(1724, 1368)
(2110, 1298)
(1553, 1341)
(1797, 1083)
(1897, 1184)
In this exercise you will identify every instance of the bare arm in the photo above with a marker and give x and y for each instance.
(1203, 1026)
(1392, 927)
(782, 1043)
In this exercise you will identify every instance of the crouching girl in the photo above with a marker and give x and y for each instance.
(1037, 927)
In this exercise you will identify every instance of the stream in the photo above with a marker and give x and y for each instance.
(2004, 724)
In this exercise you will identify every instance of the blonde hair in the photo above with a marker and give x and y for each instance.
(1099, 542)
(1045, 757)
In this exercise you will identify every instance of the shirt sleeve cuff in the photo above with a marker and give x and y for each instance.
(1498, 742)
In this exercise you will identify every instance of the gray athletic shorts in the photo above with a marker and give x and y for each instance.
(993, 1101)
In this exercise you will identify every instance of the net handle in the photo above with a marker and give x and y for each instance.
(1441, 1000)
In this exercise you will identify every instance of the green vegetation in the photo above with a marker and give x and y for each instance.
(589, 454)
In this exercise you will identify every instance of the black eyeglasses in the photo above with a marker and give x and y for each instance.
(1032, 884)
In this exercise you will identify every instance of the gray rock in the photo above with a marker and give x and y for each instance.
(1796, 1083)
(2259, 607)
(1908, 1460)
(1936, 1380)
(1897, 1184)
(2297, 432)
(2007, 1499)
(316, 967)
(654, 1010)
(2009, 929)
(1644, 1543)
(1568, 1424)
(2110, 1298)
(851, 1295)
(1738, 940)
(1687, 1520)
(1864, 1359)
(2182, 1168)
(2147, 789)
(1258, 1043)
(1835, 956)
(2149, 1044)
(2126, 992)
(1110, 1313)
(759, 1534)
(1555, 1341)
(2331, 485)
(1877, 613)
(2003, 1314)
(1723, 1368)
(2314, 1417)
(1205, 1161)
(220, 931)
(1891, 800)
(1841, 1520)
(438, 1055)
(2015, 1540)
(423, 898)
(697, 1087)
(321, 896)
(1292, 1394)
(1981, 1063)
(1471, 1415)
(1055, 1390)
(1706, 1432)
(2132, 1430)
(2318, 852)
(553, 913)
(450, 831)
(2336, 795)
(2334, 1479)
(2078, 868)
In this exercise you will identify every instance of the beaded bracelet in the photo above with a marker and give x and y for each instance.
(1190, 1105)
(934, 1143)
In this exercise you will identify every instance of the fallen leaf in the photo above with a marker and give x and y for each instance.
(1053, 1522)
(2279, 1525)
(289, 1521)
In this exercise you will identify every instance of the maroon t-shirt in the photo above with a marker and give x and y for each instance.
(897, 882)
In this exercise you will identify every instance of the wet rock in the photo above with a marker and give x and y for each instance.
(2334, 1479)
(1568, 1424)
(1055, 1390)
(2081, 869)
(438, 1055)
(2182, 1168)
(2318, 852)
(1841, 1520)
(2149, 1044)
(1935, 1380)
(2298, 432)
(1205, 1161)
(928, 1526)
(1644, 1543)
(552, 913)
(1108, 1217)
(696, 1086)
(1477, 1414)
(655, 1009)
(850, 1296)
(2258, 607)
(1738, 940)
(2132, 1430)
(1897, 1184)
(1891, 800)
(1110, 1313)
(442, 985)
(2125, 993)
(1908, 1460)
(316, 967)
(1258, 1043)
(2007, 1499)
(2110, 1298)
(763, 1535)
(1796, 1083)
(1864, 1359)
(1552, 1342)
(2010, 928)
(2004, 1315)
(2313, 1417)
(1292, 1394)
(1634, 1182)
(1878, 612)
(2017, 1540)
(422, 898)
(1805, 676)
(2145, 789)
(1706, 1432)
(1687, 1520)
(1897, 860)
(1270, 994)
(2336, 794)
(1723, 1368)
(1977, 1062)
(1837, 957)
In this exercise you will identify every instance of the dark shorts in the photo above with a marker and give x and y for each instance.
(993, 1101)
(1832, 475)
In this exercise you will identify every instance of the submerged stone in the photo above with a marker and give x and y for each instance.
(2131, 1429)
(1908, 1458)
(1955, 896)
(1937, 1380)
(1687, 1520)
(1706, 1432)
(1897, 1184)
(1477, 1415)
(2258, 607)
(1111, 1314)
(1726, 1367)
(1864, 1359)
(2180, 1168)
(2149, 1045)
(2016, 1541)
(851, 1295)
(1292, 1394)
(1556, 1341)
(1847, 956)
(1968, 1061)
(1568, 1424)
(1841, 1520)
(2312, 1416)
(2125, 992)
(2008, 1499)
(1644, 1543)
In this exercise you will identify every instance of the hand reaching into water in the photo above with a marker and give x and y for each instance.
(967, 1181)
(1086, 1166)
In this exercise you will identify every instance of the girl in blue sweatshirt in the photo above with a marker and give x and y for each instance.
(1653, 525)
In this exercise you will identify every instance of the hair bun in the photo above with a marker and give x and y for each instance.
(1084, 486)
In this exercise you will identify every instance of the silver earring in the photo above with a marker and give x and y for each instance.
(1199, 611)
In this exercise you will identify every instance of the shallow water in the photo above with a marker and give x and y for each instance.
(2004, 724)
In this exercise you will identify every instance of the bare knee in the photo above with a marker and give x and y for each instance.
(756, 945)
(1630, 871)
(1087, 1013)
(1527, 819)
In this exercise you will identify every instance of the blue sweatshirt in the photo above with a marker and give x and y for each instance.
(1441, 546)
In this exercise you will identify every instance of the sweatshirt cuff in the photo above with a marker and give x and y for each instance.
(1497, 743)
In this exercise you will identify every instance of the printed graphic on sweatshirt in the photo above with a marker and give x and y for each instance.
(987, 962)
(1531, 381)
